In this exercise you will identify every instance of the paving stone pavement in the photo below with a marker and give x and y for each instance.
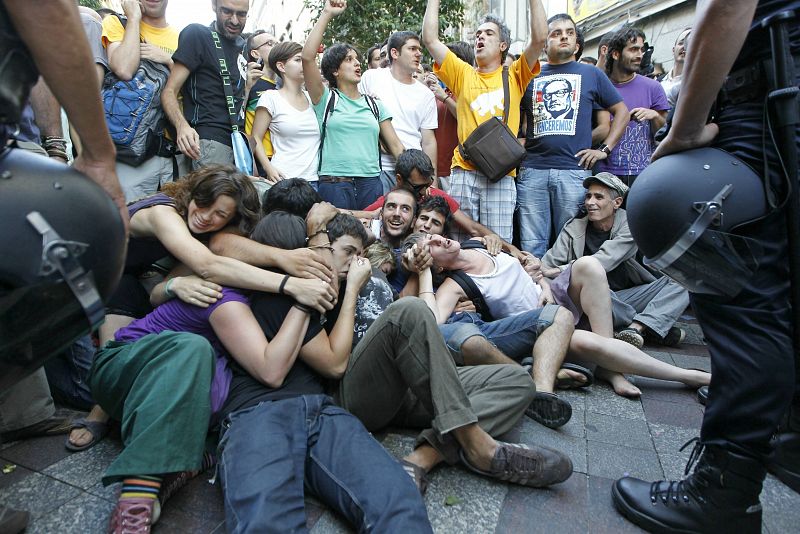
(607, 437)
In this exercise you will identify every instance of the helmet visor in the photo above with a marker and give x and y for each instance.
(716, 263)
(27, 336)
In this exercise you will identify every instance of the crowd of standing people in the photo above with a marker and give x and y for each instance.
(358, 270)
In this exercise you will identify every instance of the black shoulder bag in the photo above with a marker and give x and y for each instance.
(492, 147)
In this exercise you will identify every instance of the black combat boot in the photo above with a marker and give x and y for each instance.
(784, 462)
(720, 496)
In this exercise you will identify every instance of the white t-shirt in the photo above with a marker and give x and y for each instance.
(294, 135)
(508, 290)
(412, 106)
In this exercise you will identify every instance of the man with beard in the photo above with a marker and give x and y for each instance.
(204, 125)
(397, 217)
(646, 100)
(558, 107)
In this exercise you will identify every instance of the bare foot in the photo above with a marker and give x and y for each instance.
(573, 376)
(81, 436)
(623, 387)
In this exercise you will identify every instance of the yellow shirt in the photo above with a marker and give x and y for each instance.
(479, 96)
(164, 38)
(264, 84)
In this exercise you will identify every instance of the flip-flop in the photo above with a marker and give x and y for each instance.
(97, 429)
(549, 410)
(417, 474)
(571, 383)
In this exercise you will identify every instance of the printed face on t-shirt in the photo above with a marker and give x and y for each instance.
(557, 98)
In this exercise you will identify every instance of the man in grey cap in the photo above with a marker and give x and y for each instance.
(642, 305)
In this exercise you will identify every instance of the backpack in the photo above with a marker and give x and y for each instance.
(373, 106)
(133, 110)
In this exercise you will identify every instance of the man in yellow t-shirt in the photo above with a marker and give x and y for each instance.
(146, 35)
(479, 96)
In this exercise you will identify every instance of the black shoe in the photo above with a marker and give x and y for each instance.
(784, 462)
(720, 496)
(702, 395)
(13, 521)
(549, 410)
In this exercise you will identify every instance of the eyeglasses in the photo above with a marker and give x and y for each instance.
(420, 188)
(268, 42)
(230, 12)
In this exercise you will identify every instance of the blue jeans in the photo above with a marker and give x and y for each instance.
(354, 195)
(270, 451)
(546, 200)
(514, 336)
(68, 374)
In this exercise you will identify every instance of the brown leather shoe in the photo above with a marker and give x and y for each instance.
(518, 463)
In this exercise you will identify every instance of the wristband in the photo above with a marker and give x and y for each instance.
(315, 234)
(283, 285)
(604, 148)
(445, 98)
(167, 291)
(303, 308)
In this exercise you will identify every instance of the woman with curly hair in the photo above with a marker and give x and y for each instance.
(352, 125)
(176, 223)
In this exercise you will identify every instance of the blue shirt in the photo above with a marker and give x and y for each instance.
(558, 105)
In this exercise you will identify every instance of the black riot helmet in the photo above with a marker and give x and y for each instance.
(683, 212)
(62, 248)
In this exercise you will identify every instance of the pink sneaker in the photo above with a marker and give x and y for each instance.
(133, 516)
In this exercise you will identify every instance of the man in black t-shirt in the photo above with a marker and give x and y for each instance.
(204, 125)
(641, 304)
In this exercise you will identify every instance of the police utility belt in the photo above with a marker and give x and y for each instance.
(749, 84)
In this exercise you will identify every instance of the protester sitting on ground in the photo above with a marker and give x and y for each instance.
(401, 373)
(278, 420)
(415, 173)
(381, 257)
(290, 119)
(139, 378)
(166, 224)
(508, 290)
(641, 305)
(433, 216)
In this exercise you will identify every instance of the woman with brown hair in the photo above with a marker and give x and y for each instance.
(290, 119)
(175, 223)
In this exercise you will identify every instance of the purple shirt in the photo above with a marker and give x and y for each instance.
(632, 153)
(178, 316)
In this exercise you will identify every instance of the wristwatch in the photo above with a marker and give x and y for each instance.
(604, 148)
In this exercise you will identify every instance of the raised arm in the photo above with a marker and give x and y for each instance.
(538, 32)
(124, 55)
(444, 301)
(313, 78)
(430, 32)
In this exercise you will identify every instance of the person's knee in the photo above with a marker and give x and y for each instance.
(564, 320)
(518, 386)
(476, 350)
(193, 349)
(588, 266)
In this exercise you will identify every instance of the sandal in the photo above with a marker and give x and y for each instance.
(97, 429)
(417, 474)
(571, 383)
(549, 410)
